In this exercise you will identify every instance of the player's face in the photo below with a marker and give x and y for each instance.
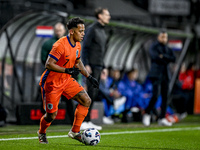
(79, 33)
(105, 17)
(163, 38)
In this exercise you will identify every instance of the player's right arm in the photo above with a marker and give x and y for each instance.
(54, 56)
(52, 66)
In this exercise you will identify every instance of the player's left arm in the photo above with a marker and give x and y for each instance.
(81, 67)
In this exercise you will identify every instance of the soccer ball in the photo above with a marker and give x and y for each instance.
(91, 136)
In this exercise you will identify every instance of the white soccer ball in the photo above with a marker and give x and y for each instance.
(91, 136)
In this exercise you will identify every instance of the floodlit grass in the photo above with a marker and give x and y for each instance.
(183, 136)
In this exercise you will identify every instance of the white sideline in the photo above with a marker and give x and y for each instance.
(110, 133)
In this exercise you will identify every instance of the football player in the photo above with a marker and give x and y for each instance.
(62, 63)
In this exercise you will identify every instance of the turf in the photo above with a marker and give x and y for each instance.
(184, 135)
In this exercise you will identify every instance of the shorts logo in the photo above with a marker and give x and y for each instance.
(50, 106)
(76, 53)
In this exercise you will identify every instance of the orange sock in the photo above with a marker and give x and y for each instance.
(80, 114)
(43, 125)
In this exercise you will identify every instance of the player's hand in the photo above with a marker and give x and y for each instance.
(72, 71)
(93, 81)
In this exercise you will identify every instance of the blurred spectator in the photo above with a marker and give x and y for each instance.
(109, 93)
(106, 97)
(59, 31)
(187, 80)
(132, 90)
(114, 77)
(147, 92)
(93, 50)
(161, 56)
(187, 76)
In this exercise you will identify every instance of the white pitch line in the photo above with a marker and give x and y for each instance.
(110, 133)
(152, 131)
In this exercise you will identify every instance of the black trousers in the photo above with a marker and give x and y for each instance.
(93, 92)
(160, 86)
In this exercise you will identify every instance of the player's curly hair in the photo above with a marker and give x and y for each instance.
(72, 23)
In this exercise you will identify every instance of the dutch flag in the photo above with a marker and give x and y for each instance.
(175, 45)
(44, 31)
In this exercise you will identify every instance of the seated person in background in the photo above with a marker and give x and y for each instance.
(119, 101)
(132, 90)
(147, 92)
(107, 95)
(114, 77)
(187, 79)
(187, 76)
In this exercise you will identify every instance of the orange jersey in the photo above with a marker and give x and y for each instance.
(65, 54)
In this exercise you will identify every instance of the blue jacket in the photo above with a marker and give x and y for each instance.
(132, 90)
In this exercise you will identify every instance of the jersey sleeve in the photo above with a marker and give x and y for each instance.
(56, 51)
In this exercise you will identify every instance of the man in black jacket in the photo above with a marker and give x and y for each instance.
(159, 75)
(93, 50)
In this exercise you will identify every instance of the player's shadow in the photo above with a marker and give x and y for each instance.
(127, 147)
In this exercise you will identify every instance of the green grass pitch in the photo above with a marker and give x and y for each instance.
(184, 135)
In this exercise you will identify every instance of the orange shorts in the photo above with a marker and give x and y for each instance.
(51, 94)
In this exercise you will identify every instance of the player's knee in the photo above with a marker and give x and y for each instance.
(87, 101)
(83, 99)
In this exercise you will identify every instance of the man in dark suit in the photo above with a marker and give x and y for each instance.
(93, 50)
(161, 56)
